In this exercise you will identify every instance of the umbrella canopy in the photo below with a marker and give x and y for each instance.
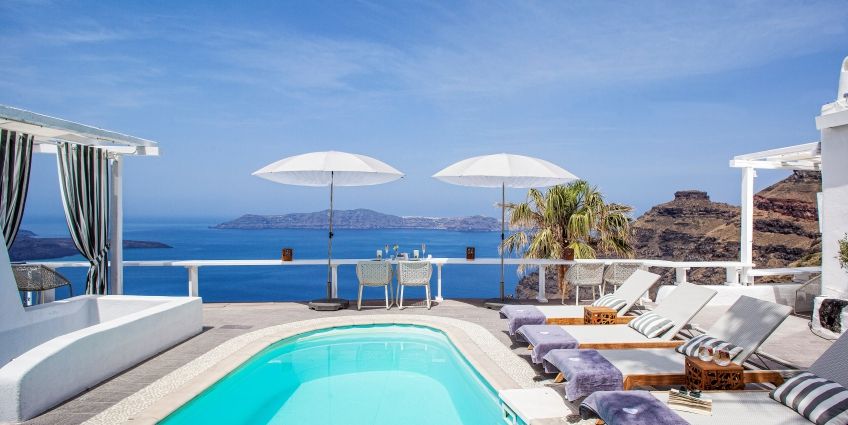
(503, 169)
(324, 168)
(332, 169)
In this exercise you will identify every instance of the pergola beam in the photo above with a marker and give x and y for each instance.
(799, 157)
(49, 131)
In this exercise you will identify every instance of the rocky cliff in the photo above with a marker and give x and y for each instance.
(691, 227)
(360, 219)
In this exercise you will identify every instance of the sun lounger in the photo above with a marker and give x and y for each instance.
(630, 292)
(746, 324)
(737, 406)
(679, 306)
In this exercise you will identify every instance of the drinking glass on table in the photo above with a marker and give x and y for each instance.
(722, 357)
(705, 353)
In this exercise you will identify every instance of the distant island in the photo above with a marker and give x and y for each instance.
(360, 219)
(28, 246)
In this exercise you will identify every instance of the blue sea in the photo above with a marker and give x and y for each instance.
(192, 239)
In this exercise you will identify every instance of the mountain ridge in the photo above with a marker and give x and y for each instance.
(359, 219)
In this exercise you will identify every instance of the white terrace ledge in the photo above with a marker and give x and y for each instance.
(193, 266)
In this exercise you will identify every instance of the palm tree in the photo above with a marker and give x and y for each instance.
(568, 220)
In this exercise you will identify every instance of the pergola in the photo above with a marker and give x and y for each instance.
(799, 157)
(48, 132)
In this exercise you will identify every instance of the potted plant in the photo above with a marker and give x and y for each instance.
(843, 252)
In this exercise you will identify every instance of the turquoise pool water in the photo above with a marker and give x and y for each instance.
(382, 374)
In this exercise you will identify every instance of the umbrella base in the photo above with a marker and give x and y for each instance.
(331, 304)
(497, 303)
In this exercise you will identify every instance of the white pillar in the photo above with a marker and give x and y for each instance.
(116, 219)
(193, 281)
(542, 291)
(746, 237)
(680, 275)
(439, 283)
(731, 276)
(833, 123)
(335, 280)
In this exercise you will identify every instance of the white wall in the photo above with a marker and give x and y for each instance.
(834, 207)
(11, 309)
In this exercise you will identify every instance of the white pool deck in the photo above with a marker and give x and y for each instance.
(231, 328)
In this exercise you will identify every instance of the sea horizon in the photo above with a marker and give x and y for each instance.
(194, 239)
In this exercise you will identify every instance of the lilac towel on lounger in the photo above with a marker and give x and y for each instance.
(585, 371)
(545, 338)
(520, 315)
(628, 408)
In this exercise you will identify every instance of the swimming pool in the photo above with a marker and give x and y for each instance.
(375, 374)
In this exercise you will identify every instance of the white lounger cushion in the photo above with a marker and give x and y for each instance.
(682, 304)
(631, 291)
(645, 360)
(561, 311)
(594, 334)
(738, 407)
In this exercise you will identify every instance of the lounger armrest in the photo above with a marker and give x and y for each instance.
(762, 377)
(623, 320)
(774, 377)
(631, 345)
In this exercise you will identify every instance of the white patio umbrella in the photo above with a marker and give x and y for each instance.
(504, 170)
(332, 169)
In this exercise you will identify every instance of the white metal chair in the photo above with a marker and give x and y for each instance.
(616, 273)
(585, 275)
(414, 273)
(374, 274)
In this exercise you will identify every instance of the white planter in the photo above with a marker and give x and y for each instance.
(830, 328)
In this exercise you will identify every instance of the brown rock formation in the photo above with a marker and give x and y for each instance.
(693, 228)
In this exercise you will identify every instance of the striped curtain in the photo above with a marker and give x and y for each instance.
(84, 178)
(15, 164)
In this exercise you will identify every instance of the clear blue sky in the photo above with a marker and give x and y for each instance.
(640, 98)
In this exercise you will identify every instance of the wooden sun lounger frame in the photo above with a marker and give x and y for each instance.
(622, 320)
(671, 379)
(626, 345)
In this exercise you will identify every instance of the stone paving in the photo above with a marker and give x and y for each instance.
(225, 321)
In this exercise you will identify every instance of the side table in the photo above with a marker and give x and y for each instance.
(708, 376)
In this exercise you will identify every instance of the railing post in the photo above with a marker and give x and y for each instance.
(732, 275)
(335, 275)
(439, 283)
(680, 275)
(193, 283)
(540, 297)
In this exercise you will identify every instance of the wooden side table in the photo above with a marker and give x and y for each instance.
(708, 376)
(598, 315)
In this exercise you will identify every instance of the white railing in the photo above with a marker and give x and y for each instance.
(681, 268)
(799, 274)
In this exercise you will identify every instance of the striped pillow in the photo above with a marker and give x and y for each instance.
(610, 301)
(651, 324)
(690, 348)
(820, 400)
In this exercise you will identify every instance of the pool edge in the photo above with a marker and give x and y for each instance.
(161, 398)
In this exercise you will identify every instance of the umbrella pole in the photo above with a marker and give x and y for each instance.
(503, 229)
(330, 246)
